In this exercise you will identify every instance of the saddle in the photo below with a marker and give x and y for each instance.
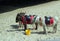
(49, 20)
(27, 19)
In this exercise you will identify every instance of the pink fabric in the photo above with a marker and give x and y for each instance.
(27, 22)
(31, 17)
(51, 21)
(23, 19)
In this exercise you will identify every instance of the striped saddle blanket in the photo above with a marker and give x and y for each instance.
(27, 19)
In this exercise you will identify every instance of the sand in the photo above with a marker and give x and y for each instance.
(9, 30)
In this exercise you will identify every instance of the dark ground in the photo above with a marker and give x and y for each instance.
(21, 2)
(9, 5)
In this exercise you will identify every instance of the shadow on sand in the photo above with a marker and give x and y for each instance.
(15, 28)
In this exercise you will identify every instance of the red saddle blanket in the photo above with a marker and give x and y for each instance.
(27, 19)
(49, 21)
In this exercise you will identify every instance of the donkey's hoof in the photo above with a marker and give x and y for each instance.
(54, 31)
(35, 28)
(24, 29)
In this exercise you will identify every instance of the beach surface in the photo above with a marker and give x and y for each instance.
(9, 30)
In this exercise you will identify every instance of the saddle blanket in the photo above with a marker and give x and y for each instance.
(27, 19)
(49, 20)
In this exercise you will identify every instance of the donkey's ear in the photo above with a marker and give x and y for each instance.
(33, 15)
(18, 14)
(45, 16)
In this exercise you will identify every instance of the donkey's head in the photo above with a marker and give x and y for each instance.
(19, 15)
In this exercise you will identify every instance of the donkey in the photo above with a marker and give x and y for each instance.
(49, 21)
(27, 19)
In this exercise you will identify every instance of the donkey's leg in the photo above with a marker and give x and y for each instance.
(45, 29)
(25, 27)
(36, 24)
(55, 28)
(25, 24)
(33, 25)
(20, 23)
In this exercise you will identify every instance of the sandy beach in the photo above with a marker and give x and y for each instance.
(9, 28)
